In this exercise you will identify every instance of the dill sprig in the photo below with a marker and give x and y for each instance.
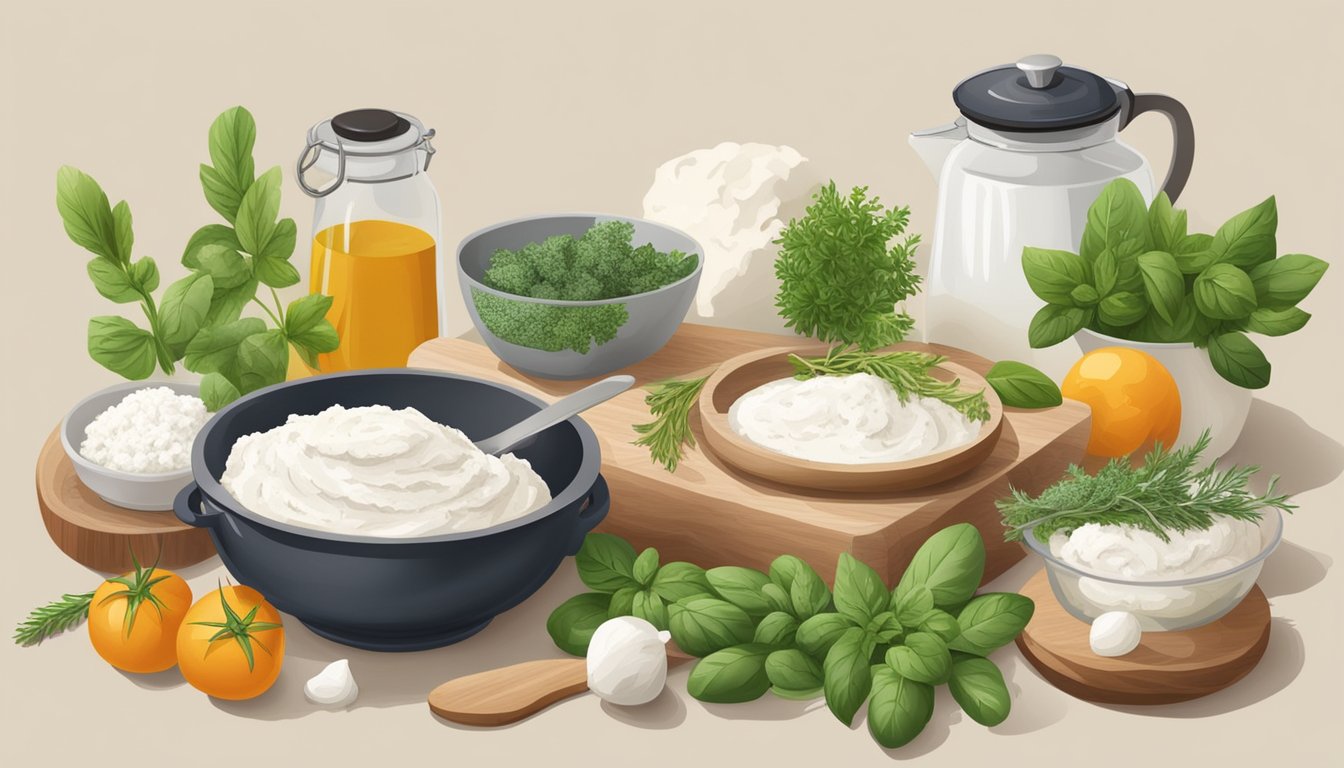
(53, 619)
(669, 434)
(1165, 494)
(907, 372)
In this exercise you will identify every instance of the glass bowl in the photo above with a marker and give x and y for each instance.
(1160, 605)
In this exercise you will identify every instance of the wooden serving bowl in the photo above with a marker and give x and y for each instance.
(744, 373)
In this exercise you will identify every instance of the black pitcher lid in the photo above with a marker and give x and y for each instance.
(369, 125)
(1036, 94)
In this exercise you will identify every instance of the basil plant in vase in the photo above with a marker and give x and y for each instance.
(1190, 300)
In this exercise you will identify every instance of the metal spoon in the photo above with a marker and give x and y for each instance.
(556, 412)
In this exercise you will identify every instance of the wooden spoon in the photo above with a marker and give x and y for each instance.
(509, 694)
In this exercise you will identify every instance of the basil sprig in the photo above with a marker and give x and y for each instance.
(1140, 276)
(787, 633)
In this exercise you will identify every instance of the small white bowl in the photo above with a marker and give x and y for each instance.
(144, 492)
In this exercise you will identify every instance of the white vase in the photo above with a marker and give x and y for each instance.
(1208, 401)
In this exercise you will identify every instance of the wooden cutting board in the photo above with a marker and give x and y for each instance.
(711, 515)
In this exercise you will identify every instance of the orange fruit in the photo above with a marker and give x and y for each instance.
(1133, 397)
(231, 644)
(134, 618)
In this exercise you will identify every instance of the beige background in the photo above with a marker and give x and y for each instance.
(554, 106)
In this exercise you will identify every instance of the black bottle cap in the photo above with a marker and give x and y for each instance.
(369, 125)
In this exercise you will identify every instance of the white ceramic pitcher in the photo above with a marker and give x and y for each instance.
(1036, 143)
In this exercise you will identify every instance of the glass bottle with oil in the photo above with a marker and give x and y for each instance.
(375, 235)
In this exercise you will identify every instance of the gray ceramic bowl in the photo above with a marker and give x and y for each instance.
(152, 492)
(652, 317)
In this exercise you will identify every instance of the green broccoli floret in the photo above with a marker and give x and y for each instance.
(602, 264)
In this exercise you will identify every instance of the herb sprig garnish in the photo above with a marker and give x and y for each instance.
(669, 434)
(53, 618)
(1167, 494)
(908, 373)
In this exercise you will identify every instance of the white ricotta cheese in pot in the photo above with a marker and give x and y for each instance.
(854, 419)
(375, 471)
(148, 432)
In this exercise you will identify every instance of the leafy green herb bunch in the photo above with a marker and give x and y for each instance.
(1140, 276)
(784, 632)
(198, 320)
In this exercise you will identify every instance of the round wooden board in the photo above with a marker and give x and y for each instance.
(102, 536)
(1167, 667)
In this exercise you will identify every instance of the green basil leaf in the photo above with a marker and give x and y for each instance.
(85, 213)
(622, 602)
(273, 266)
(1224, 292)
(263, 360)
(679, 580)
(1105, 272)
(941, 623)
(255, 223)
(276, 274)
(220, 193)
(320, 338)
(1247, 239)
(1054, 323)
(651, 608)
(111, 281)
(1053, 274)
(703, 625)
(232, 136)
(792, 670)
(884, 627)
(1021, 386)
(950, 563)
(226, 268)
(1166, 225)
(214, 349)
(777, 597)
(1194, 262)
(183, 309)
(777, 630)
(1084, 295)
(912, 605)
(990, 621)
(795, 695)
(606, 562)
(145, 273)
(572, 624)
(1283, 282)
(1277, 322)
(1127, 276)
(1121, 309)
(1116, 216)
(646, 565)
(1239, 360)
(899, 708)
(808, 594)
(859, 591)
(210, 234)
(921, 657)
(217, 391)
(305, 313)
(122, 347)
(731, 675)
(741, 587)
(817, 634)
(1163, 283)
(848, 676)
(122, 232)
(227, 305)
(977, 686)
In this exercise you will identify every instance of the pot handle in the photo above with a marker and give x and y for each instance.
(186, 507)
(1182, 135)
(599, 503)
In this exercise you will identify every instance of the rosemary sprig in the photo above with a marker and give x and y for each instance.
(907, 372)
(1166, 494)
(53, 618)
(668, 435)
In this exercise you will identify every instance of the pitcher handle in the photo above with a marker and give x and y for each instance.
(1182, 134)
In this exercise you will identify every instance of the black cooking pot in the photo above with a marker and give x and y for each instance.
(398, 594)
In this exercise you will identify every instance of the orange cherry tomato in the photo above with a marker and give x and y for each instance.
(1134, 400)
(133, 619)
(231, 644)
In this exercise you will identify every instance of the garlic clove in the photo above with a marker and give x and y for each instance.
(627, 661)
(334, 685)
(1115, 633)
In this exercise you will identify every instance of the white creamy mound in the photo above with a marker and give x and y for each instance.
(149, 431)
(1137, 554)
(375, 471)
(854, 419)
